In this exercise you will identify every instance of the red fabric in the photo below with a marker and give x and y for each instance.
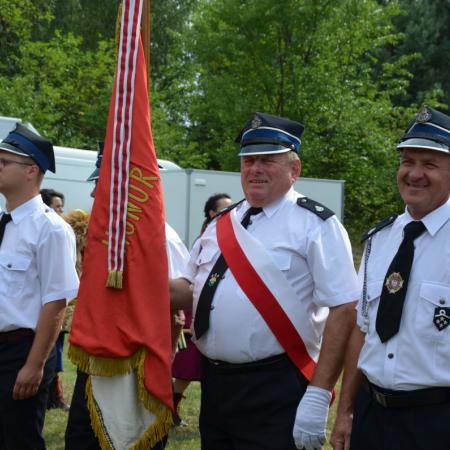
(263, 300)
(116, 323)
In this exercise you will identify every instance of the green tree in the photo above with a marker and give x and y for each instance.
(424, 24)
(313, 61)
(93, 21)
(59, 65)
(62, 90)
(16, 23)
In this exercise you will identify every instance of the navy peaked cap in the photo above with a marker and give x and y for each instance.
(266, 134)
(24, 142)
(96, 173)
(430, 129)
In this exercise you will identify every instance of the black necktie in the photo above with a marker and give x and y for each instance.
(3, 221)
(201, 320)
(396, 283)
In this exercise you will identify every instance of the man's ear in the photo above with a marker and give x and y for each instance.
(296, 168)
(35, 172)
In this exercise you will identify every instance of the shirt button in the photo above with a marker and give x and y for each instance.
(9, 266)
(390, 355)
(442, 301)
(212, 307)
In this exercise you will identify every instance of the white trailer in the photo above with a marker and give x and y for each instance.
(185, 190)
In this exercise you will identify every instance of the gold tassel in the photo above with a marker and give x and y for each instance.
(111, 281)
(115, 279)
(119, 279)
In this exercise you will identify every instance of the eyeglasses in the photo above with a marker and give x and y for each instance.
(6, 162)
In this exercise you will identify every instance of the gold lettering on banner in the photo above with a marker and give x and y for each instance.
(139, 190)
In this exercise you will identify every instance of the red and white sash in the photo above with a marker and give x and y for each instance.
(266, 287)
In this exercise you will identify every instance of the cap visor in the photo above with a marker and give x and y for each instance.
(423, 143)
(263, 149)
(11, 149)
(94, 175)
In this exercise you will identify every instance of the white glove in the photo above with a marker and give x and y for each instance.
(311, 419)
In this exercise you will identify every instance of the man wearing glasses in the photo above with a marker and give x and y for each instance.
(37, 276)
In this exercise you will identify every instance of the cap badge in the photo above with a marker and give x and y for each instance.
(424, 115)
(394, 282)
(256, 122)
(213, 279)
(441, 318)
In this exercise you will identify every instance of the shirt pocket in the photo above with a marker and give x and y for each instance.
(367, 315)
(204, 263)
(433, 306)
(282, 260)
(13, 271)
(205, 256)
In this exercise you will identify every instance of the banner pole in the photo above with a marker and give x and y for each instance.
(145, 30)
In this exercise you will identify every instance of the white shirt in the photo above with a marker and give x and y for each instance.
(177, 253)
(418, 356)
(37, 264)
(313, 254)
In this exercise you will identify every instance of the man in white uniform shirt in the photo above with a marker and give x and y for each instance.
(400, 396)
(284, 295)
(37, 276)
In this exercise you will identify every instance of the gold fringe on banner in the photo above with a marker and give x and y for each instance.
(96, 422)
(155, 432)
(103, 367)
(163, 414)
(115, 279)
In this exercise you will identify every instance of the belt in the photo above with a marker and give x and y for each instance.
(252, 365)
(15, 335)
(404, 399)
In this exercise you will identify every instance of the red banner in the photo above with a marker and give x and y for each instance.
(122, 317)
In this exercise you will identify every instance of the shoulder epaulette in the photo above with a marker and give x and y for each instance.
(228, 208)
(379, 226)
(315, 207)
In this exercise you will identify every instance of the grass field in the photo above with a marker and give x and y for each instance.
(180, 438)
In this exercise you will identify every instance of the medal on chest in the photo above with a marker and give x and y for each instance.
(213, 279)
(394, 282)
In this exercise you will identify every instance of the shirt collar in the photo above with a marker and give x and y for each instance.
(25, 209)
(434, 220)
